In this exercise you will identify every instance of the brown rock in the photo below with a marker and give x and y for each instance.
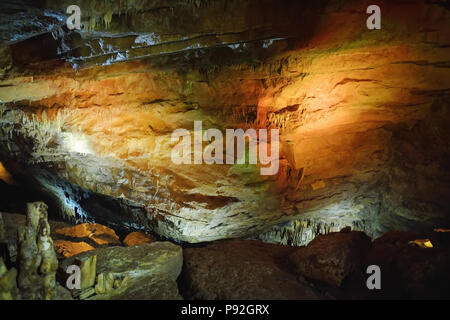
(73, 240)
(387, 247)
(332, 257)
(241, 270)
(409, 270)
(135, 238)
(441, 238)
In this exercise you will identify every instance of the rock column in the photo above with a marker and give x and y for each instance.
(37, 258)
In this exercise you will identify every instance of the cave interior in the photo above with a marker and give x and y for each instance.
(120, 150)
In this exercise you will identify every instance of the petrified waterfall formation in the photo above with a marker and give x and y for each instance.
(86, 116)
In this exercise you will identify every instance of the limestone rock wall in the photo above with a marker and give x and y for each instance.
(363, 114)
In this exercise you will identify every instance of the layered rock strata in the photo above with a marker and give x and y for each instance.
(86, 116)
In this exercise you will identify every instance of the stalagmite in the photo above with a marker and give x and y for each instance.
(36, 256)
(8, 286)
(88, 271)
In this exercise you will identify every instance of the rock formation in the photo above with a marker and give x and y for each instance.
(36, 256)
(332, 257)
(70, 241)
(135, 238)
(142, 272)
(86, 116)
(8, 285)
(411, 271)
(241, 270)
(332, 266)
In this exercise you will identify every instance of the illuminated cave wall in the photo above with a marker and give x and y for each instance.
(86, 117)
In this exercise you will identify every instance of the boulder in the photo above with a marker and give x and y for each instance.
(135, 238)
(148, 287)
(330, 258)
(410, 270)
(146, 271)
(151, 258)
(240, 270)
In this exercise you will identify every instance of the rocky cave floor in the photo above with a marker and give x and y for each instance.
(139, 266)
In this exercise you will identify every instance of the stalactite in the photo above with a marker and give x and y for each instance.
(107, 19)
(301, 232)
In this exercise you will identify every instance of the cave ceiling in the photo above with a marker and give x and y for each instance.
(87, 115)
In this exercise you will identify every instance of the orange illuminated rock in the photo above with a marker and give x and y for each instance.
(83, 237)
(69, 248)
(5, 175)
(136, 238)
(95, 232)
(423, 243)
